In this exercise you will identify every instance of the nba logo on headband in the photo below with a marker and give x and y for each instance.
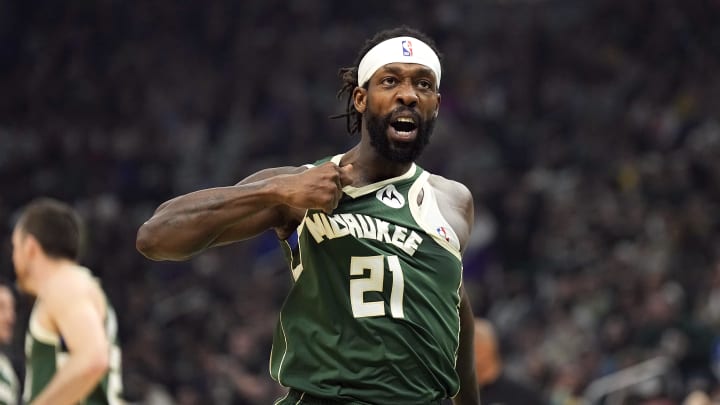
(413, 51)
(407, 47)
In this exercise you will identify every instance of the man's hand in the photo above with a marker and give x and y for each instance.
(319, 187)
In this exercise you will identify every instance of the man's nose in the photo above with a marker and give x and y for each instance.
(407, 95)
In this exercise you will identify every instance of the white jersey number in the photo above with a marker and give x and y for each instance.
(374, 282)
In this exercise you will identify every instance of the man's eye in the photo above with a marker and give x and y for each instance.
(425, 84)
(389, 80)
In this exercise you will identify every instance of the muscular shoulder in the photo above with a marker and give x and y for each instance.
(443, 185)
(456, 204)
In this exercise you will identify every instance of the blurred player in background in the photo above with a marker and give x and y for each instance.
(496, 387)
(377, 313)
(9, 386)
(71, 349)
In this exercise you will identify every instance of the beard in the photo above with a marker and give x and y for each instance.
(404, 152)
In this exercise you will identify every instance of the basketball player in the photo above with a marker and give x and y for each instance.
(377, 313)
(71, 351)
(9, 385)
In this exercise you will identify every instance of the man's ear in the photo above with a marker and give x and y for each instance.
(437, 109)
(32, 246)
(360, 99)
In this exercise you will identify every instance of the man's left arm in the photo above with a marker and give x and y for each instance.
(465, 365)
(469, 393)
(456, 204)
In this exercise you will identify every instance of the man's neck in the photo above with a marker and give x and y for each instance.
(372, 167)
(43, 270)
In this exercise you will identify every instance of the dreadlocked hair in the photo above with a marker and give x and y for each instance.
(349, 75)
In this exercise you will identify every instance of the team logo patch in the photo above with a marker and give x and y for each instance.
(443, 233)
(407, 48)
(389, 196)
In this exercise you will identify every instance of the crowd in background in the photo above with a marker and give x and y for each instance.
(588, 132)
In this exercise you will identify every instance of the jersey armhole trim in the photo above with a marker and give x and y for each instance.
(41, 334)
(415, 211)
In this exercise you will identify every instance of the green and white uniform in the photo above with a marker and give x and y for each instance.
(373, 314)
(9, 385)
(45, 353)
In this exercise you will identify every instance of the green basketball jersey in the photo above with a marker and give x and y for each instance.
(373, 314)
(45, 353)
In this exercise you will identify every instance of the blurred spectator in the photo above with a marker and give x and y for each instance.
(496, 386)
(9, 383)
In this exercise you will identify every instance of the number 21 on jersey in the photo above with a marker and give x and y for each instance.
(374, 282)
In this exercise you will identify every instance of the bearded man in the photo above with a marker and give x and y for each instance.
(377, 313)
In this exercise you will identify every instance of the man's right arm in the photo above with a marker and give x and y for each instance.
(272, 198)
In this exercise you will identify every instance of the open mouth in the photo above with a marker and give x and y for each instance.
(405, 127)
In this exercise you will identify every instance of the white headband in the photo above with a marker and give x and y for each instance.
(399, 49)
